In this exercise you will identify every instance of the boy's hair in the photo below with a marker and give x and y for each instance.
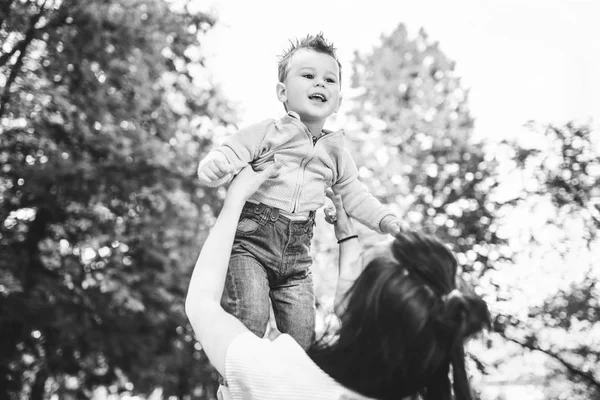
(404, 326)
(316, 43)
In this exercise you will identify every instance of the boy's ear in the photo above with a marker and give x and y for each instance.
(281, 92)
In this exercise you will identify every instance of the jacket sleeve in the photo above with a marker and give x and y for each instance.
(239, 149)
(359, 203)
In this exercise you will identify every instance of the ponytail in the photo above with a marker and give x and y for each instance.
(456, 315)
(465, 315)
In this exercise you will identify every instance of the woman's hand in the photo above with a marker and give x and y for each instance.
(348, 263)
(248, 181)
(336, 215)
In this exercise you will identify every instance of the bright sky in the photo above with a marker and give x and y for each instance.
(521, 59)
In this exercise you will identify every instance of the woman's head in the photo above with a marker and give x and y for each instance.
(405, 323)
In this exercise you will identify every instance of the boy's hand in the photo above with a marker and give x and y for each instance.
(390, 224)
(213, 168)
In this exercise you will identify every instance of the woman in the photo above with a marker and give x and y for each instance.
(402, 320)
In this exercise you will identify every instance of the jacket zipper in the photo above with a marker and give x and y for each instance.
(303, 163)
(300, 182)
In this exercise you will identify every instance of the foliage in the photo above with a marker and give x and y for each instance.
(412, 134)
(105, 107)
(561, 181)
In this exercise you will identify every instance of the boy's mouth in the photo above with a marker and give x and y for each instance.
(318, 96)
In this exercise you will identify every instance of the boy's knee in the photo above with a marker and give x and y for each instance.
(256, 319)
(255, 316)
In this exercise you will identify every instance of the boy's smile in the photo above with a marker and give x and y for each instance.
(312, 87)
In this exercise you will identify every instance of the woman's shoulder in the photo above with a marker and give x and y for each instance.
(263, 369)
(250, 355)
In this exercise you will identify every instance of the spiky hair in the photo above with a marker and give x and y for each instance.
(311, 42)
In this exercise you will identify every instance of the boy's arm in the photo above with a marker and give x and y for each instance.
(359, 203)
(222, 163)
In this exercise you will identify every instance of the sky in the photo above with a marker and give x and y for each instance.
(521, 60)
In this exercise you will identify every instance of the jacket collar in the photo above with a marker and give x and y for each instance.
(294, 115)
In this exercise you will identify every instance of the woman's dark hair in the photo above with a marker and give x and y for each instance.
(404, 325)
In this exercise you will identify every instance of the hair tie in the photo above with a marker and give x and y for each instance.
(453, 293)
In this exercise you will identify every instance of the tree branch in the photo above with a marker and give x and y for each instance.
(4, 12)
(6, 56)
(22, 47)
(11, 78)
(586, 376)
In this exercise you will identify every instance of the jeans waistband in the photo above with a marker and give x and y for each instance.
(275, 213)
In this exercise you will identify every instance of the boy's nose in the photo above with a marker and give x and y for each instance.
(319, 83)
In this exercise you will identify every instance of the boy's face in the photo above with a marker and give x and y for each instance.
(312, 86)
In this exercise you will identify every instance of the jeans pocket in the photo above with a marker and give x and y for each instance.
(247, 225)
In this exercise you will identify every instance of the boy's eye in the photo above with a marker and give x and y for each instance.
(330, 80)
(308, 76)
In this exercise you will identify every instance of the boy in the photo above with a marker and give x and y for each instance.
(270, 256)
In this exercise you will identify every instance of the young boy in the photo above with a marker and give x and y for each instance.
(270, 256)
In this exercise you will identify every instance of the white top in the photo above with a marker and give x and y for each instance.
(261, 369)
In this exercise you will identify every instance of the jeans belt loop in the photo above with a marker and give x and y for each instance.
(311, 220)
(308, 225)
(263, 211)
(274, 215)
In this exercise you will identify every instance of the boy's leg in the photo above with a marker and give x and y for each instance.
(292, 295)
(246, 293)
(294, 307)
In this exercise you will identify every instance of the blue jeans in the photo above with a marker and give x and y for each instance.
(270, 260)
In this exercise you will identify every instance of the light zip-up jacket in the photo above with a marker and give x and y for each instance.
(309, 166)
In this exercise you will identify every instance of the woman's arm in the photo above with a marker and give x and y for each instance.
(349, 250)
(215, 329)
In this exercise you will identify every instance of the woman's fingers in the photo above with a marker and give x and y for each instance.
(337, 202)
(336, 199)
(329, 193)
(330, 215)
(330, 210)
(272, 170)
(248, 180)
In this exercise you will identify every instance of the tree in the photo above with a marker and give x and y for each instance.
(411, 134)
(414, 136)
(560, 177)
(105, 108)
(411, 129)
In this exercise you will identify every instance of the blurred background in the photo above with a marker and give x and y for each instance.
(476, 120)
